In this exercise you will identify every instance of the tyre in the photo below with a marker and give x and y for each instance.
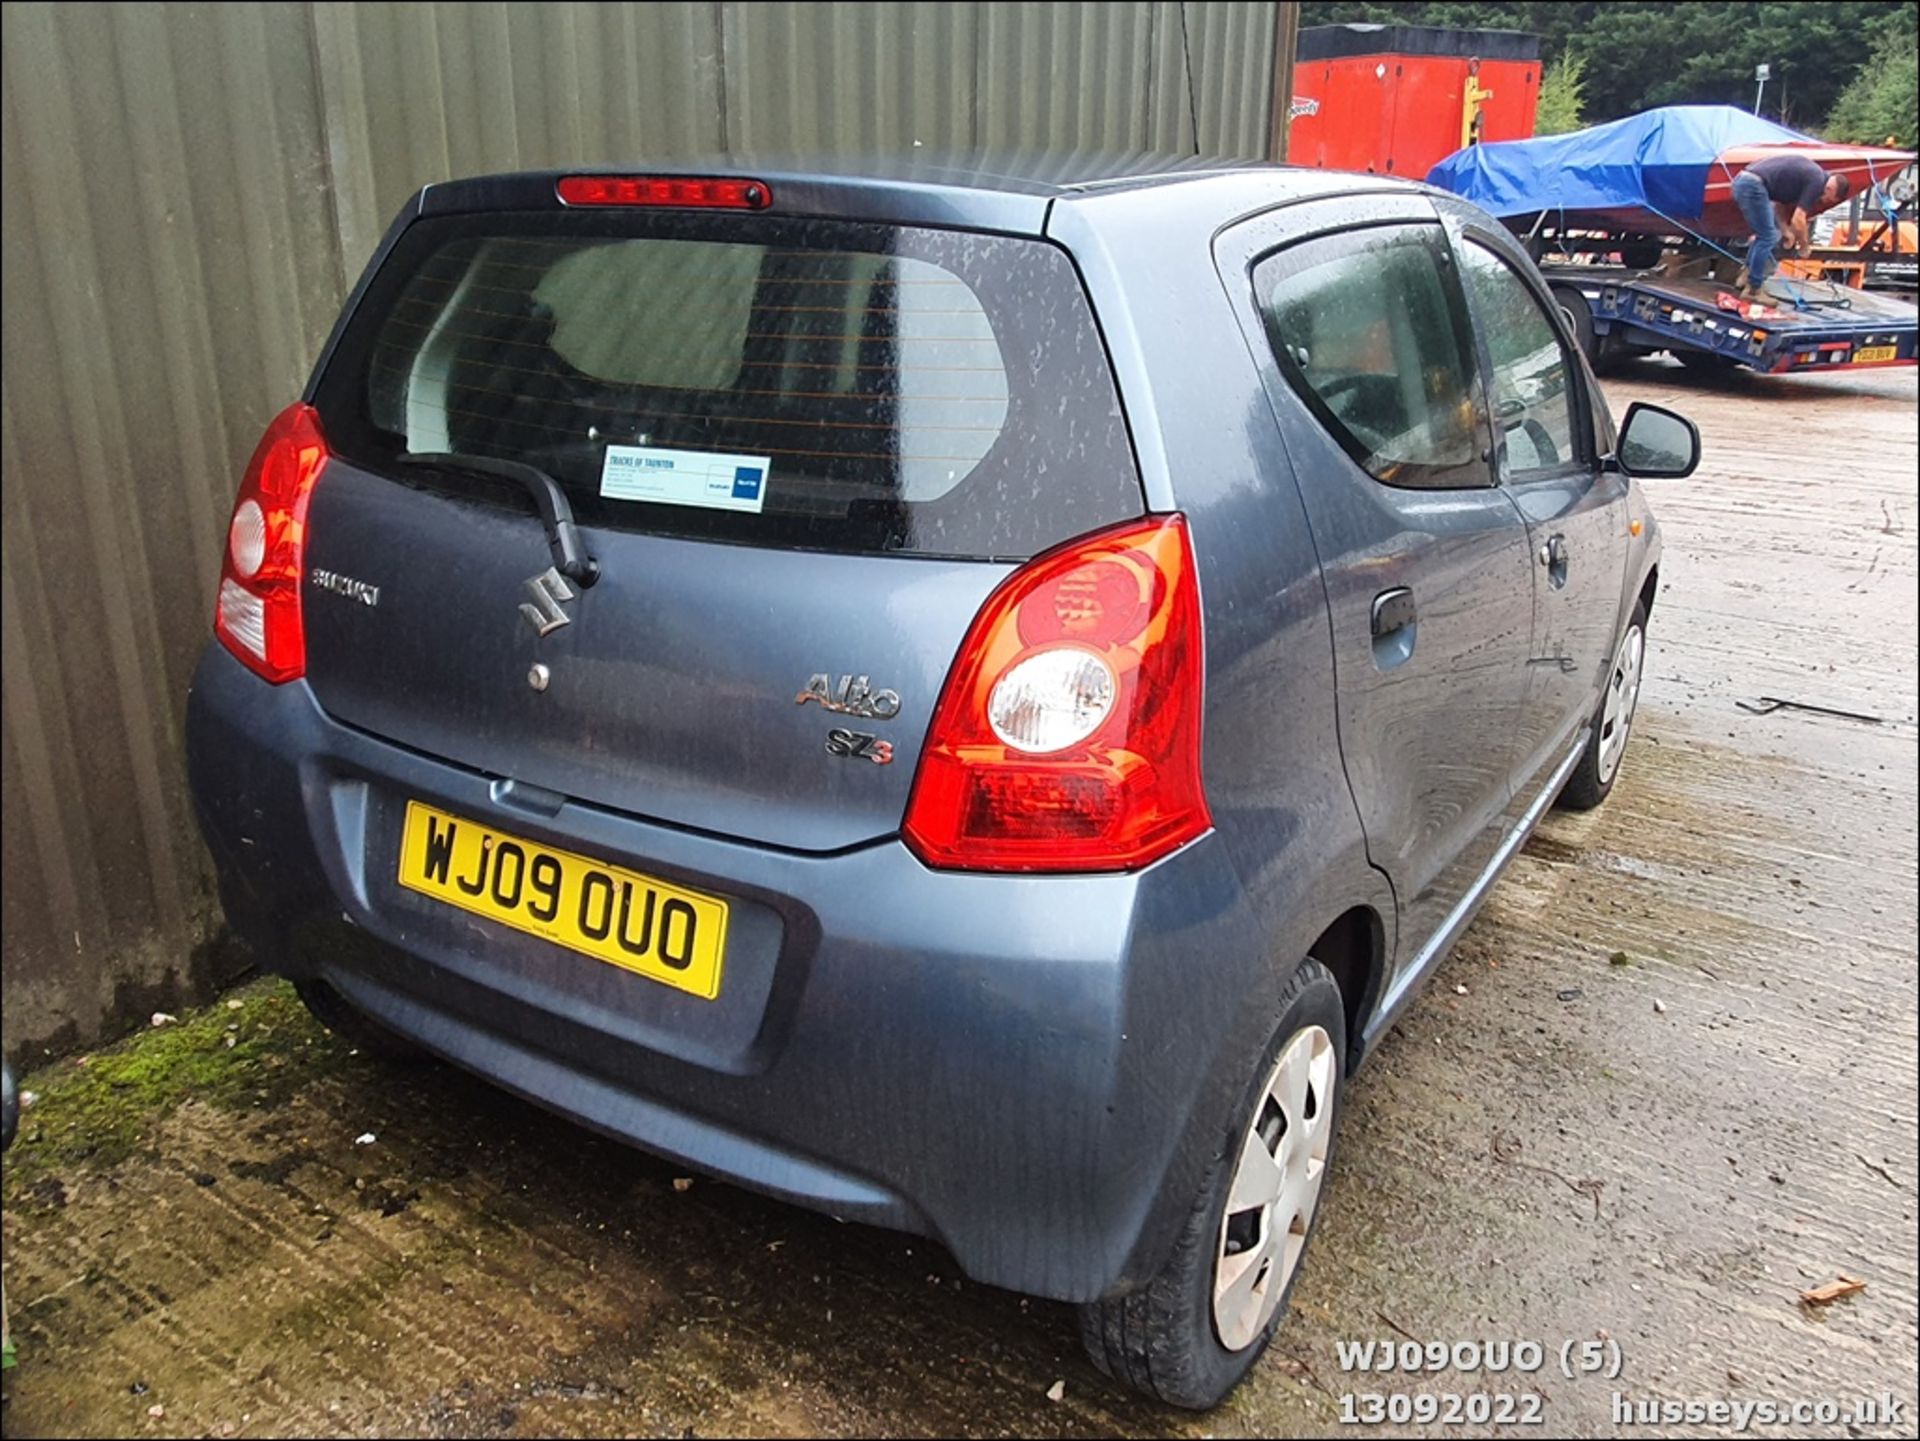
(1706, 362)
(1641, 254)
(1615, 353)
(355, 1026)
(1191, 1333)
(1592, 780)
(1573, 305)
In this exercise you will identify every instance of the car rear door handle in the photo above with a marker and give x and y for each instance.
(1553, 555)
(1394, 628)
(1393, 611)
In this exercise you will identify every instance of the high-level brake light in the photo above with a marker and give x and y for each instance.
(708, 193)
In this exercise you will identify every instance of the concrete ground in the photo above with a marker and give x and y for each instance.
(1666, 1082)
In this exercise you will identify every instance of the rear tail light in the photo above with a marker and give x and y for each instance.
(258, 613)
(681, 190)
(1068, 735)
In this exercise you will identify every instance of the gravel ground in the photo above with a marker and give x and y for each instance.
(1666, 1082)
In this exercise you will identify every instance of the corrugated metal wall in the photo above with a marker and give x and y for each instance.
(187, 193)
(411, 92)
(170, 265)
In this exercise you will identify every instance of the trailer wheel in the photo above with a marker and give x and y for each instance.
(1706, 361)
(1573, 305)
(1640, 254)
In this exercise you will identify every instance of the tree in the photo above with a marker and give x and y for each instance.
(1882, 102)
(1642, 53)
(1562, 97)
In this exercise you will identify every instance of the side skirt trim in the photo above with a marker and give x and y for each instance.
(1401, 992)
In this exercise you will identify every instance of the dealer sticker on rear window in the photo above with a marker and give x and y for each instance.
(684, 477)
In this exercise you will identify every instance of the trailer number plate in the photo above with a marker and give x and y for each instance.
(1875, 354)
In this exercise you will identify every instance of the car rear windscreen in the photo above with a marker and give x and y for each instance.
(792, 383)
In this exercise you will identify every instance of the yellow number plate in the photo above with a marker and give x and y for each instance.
(667, 934)
(1876, 353)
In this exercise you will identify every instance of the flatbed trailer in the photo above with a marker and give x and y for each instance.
(1806, 325)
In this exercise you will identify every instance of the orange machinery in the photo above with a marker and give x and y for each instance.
(1877, 237)
(1863, 249)
(1395, 99)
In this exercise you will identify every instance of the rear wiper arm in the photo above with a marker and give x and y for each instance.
(570, 556)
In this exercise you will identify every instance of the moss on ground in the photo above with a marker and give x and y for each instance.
(247, 1050)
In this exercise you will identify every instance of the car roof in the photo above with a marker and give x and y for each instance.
(1011, 191)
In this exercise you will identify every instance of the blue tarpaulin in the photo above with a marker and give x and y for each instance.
(1657, 161)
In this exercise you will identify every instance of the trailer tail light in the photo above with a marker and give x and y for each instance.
(1068, 735)
(694, 192)
(258, 614)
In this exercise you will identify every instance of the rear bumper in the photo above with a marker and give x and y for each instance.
(1011, 1065)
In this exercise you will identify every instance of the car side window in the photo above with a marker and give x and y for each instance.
(1532, 380)
(1369, 328)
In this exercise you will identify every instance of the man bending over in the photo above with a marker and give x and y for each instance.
(1781, 193)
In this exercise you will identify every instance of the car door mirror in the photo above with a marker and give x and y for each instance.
(1656, 444)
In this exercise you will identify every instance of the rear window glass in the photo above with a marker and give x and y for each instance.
(804, 384)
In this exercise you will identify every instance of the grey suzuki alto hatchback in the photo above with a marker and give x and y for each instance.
(962, 702)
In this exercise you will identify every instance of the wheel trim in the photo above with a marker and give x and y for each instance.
(1623, 695)
(1277, 1176)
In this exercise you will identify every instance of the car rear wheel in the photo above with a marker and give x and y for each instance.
(1592, 780)
(1191, 1333)
(354, 1026)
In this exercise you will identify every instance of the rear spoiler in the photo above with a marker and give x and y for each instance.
(947, 206)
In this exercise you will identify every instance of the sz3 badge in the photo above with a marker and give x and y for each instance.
(854, 696)
(859, 746)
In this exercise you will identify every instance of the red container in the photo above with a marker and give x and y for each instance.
(1397, 99)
